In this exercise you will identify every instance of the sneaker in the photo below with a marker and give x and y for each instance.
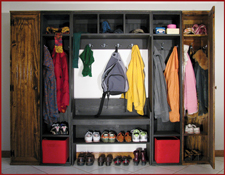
(105, 136)
(120, 137)
(127, 137)
(143, 136)
(55, 128)
(112, 136)
(96, 136)
(189, 129)
(88, 137)
(135, 135)
(64, 128)
(196, 129)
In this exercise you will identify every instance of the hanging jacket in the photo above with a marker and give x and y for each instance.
(201, 74)
(172, 81)
(135, 75)
(161, 107)
(190, 94)
(87, 59)
(50, 109)
(62, 79)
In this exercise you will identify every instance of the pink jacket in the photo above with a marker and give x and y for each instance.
(190, 93)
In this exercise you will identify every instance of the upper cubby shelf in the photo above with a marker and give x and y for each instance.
(57, 20)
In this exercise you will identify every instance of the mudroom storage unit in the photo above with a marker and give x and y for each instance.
(80, 114)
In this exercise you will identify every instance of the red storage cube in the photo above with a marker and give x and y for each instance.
(167, 150)
(55, 151)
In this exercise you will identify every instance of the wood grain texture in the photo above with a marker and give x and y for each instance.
(25, 77)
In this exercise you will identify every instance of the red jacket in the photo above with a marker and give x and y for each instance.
(62, 79)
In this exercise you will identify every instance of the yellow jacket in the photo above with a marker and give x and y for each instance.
(135, 76)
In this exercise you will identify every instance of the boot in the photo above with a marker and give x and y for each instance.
(143, 157)
(136, 157)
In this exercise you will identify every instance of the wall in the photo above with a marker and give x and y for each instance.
(24, 6)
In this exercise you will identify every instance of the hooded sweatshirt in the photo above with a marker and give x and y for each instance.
(135, 75)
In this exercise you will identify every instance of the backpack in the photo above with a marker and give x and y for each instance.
(114, 79)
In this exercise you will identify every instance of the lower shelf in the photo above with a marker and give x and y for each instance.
(81, 141)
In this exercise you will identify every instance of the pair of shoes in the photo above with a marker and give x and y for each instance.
(59, 128)
(89, 136)
(139, 135)
(108, 136)
(191, 129)
(119, 159)
(193, 155)
(121, 137)
(140, 155)
(87, 158)
(107, 160)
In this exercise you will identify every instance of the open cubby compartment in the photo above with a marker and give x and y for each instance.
(190, 18)
(136, 21)
(85, 23)
(198, 121)
(79, 131)
(115, 21)
(198, 143)
(163, 19)
(56, 20)
(49, 41)
(166, 128)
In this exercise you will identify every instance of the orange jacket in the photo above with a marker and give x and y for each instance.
(172, 81)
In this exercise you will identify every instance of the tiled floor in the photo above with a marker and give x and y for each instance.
(131, 169)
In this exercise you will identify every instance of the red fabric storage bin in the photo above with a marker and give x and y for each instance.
(167, 150)
(55, 151)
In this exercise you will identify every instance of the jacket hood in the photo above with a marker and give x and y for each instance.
(202, 59)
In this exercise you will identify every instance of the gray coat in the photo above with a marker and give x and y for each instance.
(161, 106)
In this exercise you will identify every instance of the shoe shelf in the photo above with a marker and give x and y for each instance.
(57, 135)
(82, 141)
(201, 133)
(166, 133)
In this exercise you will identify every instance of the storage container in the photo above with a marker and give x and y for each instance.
(167, 150)
(55, 151)
(160, 30)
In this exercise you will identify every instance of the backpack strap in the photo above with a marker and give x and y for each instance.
(101, 105)
(125, 102)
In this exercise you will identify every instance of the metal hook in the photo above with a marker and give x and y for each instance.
(162, 46)
(90, 45)
(131, 45)
(118, 45)
(104, 45)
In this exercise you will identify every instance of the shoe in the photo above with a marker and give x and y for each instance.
(112, 136)
(143, 136)
(55, 128)
(126, 160)
(135, 135)
(197, 155)
(88, 137)
(188, 155)
(196, 129)
(117, 160)
(120, 137)
(90, 159)
(143, 157)
(96, 136)
(81, 159)
(108, 160)
(64, 128)
(189, 129)
(105, 136)
(101, 160)
(136, 157)
(127, 137)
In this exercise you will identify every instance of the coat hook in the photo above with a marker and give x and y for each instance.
(104, 45)
(162, 46)
(118, 45)
(131, 45)
(90, 45)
